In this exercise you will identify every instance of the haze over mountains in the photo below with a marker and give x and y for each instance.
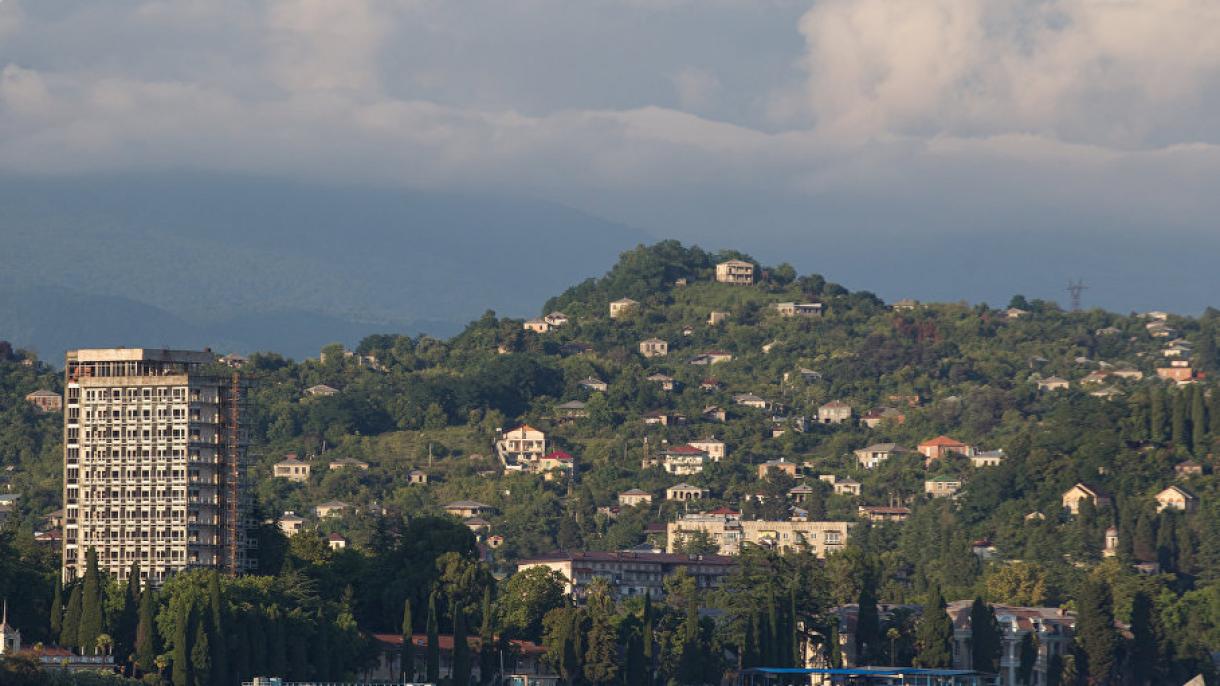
(248, 263)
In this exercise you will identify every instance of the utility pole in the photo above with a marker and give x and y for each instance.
(1075, 289)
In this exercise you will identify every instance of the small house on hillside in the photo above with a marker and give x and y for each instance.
(620, 307)
(321, 390)
(834, 412)
(468, 508)
(685, 491)
(736, 272)
(654, 347)
(1176, 498)
(1082, 492)
(942, 486)
(291, 468)
(633, 497)
(45, 401)
(943, 446)
(877, 453)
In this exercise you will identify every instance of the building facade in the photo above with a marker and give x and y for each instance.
(729, 532)
(154, 464)
(737, 272)
(631, 573)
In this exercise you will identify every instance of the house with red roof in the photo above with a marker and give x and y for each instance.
(943, 446)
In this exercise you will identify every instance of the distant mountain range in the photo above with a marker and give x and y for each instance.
(245, 263)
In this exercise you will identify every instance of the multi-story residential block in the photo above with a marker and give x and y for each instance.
(1053, 629)
(737, 272)
(729, 533)
(519, 447)
(154, 464)
(632, 573)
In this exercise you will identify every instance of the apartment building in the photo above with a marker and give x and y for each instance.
(631, 573)
(154, 463)
(730, 532)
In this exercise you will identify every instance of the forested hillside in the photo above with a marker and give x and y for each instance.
(921, 370)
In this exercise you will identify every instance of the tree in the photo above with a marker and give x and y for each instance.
(1156, 414)
(601, 652)
(1018, 583)
(57, 607)
(216, 625)
(1028, 657)
(201, 655)
(92, 617)
(1144, 657)
(868, 624)
(1143, 543)
(181, 657)
(1198, 423)
(146, 633)
(1178, 421)
(71, 627)
(985, 640)
(408, 646)
(461, 648)
(934, 635)
(526, 598)
(1096, 639)
(487, 639)
(125, 624)
(433, 649)
(647, 640)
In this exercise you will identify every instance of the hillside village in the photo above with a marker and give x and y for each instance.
(708, 434)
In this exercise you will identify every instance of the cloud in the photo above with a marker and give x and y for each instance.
(695, 88)
(1124, 73)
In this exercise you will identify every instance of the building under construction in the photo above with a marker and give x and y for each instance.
(154, 463)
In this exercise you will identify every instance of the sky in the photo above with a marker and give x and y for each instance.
(945, 149)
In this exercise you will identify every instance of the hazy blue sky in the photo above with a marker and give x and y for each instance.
(939, 148)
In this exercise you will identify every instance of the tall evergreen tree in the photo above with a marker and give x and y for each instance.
(1028, 659)
(1167, 541)
(258, 642)
(1096, 639)
(298, 658)
(277, 642)
(124, 631)
(221, 675)
(487, 641)
(322, 649)
(985, 641)
(201, 655)
(868, 623)
(775, 637)
(181, 674)
(407, 658)
(92, 613)
(1144, 657)
(146, 633)
(1198, 423)
(601, 664)
(690, 665)
(434, 647)
(647, 641)
(794, 657)
(634, 672)
(934, 635)
(1156, 414)
(1181, 439)
(836, 645)
(70, 631)
(57, 607)
(461, 647)
(1143, 543)
(749, 647)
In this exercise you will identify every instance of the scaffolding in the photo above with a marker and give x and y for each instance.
(232, 478)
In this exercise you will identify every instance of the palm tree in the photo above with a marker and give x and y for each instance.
(893, 634)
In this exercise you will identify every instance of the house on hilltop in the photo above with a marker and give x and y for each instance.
(1082, 492)
(620, 307)
(736, 272)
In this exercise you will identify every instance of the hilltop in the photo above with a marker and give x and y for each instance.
(798, 376)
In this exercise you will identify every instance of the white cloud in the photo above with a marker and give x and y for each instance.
(1126, 73)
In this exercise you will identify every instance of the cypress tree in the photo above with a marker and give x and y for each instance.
(221, 675)
(774, 635)
(92, 617)
(934, 634)
(201, 655)
(985, 642)
(1178, 421)
(146, 633)
(1143, 543)
(298, 658)
(1156, 415)
(407, 657)
(646, 639)
(1167, 542)
(868, 624)
(124, 632)
(1144, 657)
(795, 657)
(181, 674)
(71, 625)
(690, 665)
(487, 639)
(257, 643)
(277, 642)
(434, 648)
(747, 658)
(635, 672)
(1095, 636)
(1198, 423)
(321, 652)
(836, 645)
(1028, 657)
(57, 607)
(1213, 415)
(461, 649)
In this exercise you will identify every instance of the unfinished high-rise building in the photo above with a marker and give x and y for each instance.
(154, 463)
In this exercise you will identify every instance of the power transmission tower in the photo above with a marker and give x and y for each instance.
(1075, 289)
